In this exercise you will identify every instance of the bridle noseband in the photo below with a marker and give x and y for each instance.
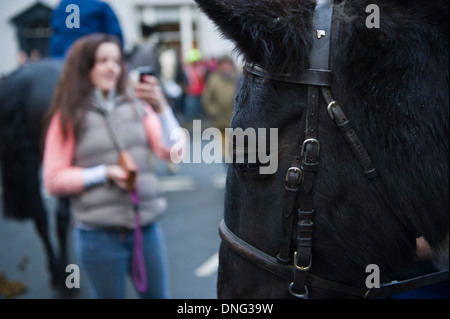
(300, 180)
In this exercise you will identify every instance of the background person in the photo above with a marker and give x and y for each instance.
(196, 75)
(94, 15)
(80, 161)
(218, 96)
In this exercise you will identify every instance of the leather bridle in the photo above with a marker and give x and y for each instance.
(300, 180)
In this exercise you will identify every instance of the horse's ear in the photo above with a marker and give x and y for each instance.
(270, 33)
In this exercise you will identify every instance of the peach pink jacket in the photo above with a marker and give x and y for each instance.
(61, 178)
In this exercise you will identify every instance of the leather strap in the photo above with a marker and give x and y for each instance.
(346, 128)
(138, 269)
(322, 21)
(318, 61)
(294, 177)
(396, 287)
(308, 76)
(270, 264)
(318, 72)
(305, 225)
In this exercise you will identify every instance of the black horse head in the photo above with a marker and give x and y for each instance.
(392, 82)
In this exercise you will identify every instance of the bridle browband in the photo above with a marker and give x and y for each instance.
(300, 178)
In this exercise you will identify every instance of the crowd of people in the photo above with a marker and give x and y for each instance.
(210, 92)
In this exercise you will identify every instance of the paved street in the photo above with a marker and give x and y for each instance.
(195, 196)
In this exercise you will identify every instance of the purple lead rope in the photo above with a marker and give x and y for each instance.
(138, 271)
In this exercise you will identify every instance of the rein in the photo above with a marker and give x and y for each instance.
(300, 180)
(271, 264)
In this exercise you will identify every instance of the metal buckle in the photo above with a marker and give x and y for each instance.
(294, 170)
(330, 111)
(301, 296)
(320, 34)
(309, 141)
(300, 268)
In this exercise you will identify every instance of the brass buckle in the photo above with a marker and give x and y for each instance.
(300, 268)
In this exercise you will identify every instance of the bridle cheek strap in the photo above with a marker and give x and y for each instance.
(309, 154)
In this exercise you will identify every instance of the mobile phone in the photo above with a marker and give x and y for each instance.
(145, 70)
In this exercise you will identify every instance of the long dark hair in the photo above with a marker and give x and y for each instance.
(75, 85)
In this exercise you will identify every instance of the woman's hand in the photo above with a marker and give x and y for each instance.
(423, 249)
(151, 92)
(118, 175)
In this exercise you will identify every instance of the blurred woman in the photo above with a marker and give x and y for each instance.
(93, 118)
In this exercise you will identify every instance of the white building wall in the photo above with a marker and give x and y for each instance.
(210, 42)
(209, 39)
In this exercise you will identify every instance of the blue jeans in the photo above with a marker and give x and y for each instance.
(104, 257)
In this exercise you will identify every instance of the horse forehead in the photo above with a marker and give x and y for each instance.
(267, 105)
